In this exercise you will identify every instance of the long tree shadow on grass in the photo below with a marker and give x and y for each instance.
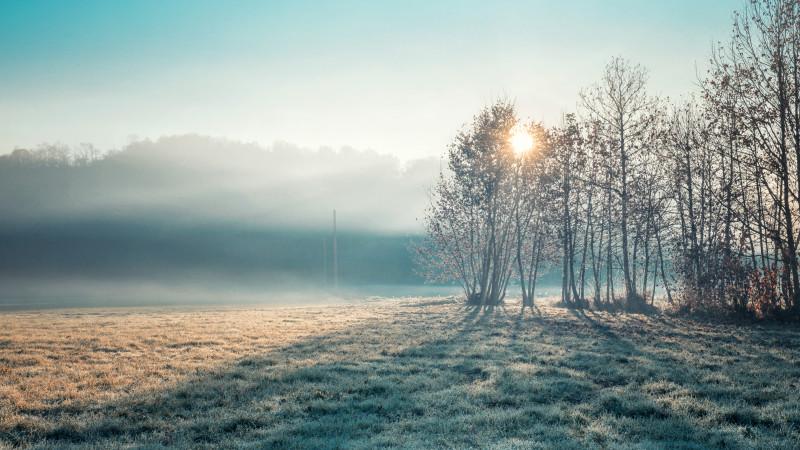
(464, 378)
(719, 387)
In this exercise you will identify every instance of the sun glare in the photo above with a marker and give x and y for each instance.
(521, 141)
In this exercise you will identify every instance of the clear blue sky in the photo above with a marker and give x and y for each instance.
(396, 77)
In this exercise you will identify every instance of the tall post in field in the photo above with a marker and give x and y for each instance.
(335, 256)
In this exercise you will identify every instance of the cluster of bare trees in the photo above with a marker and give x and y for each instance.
(737, 164)
(634, 197)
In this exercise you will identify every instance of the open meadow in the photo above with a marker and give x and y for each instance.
(412, 373)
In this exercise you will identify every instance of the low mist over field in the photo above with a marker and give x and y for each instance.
(195, 217)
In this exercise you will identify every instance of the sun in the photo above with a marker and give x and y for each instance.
(521, 141)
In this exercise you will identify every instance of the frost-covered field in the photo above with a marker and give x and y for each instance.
(419, 373)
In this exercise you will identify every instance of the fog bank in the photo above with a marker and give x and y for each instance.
(193, 218)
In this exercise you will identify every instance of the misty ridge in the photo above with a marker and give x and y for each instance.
(195, 179)
(183, 215)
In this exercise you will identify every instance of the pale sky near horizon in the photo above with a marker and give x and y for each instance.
(395, 77)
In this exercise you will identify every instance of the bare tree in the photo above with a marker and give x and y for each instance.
(620, 101)
(532, 228)
(471, 221)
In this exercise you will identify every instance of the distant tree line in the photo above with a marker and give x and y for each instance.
(635, 197)
(242, 215)
(53, 156)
